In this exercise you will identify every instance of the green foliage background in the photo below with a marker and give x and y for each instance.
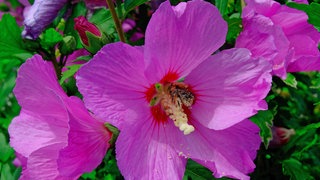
(293, 103)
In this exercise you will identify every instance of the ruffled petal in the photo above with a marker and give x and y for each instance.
(62, 123)
(37, 84)
(266, 40)
(41, 129)
(29, 131)
(264, 7)
(113, 78)
(229, 152)
(229, 87)
(87, 142)
(42, 164)
(306, 54)
(293, 22)
(303, 38)
(179, 38)
(142, 151)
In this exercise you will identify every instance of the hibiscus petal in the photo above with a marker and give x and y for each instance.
(40, 15)
(229, 152)
(142, 151)
(229, 87)
(87, 143)
(40, 124)
(265, 7)
(293, 22)
(29, 131)
(42, 164)
(179, 38)
(37, 83)
(266, 40)
(117, 70)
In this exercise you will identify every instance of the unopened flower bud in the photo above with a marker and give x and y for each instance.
(90, 35)
(281, 136)
(82, 25)
(39, 16)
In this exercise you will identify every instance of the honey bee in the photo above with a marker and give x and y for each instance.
(180, 94)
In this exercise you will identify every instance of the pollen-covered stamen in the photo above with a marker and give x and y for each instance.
(172, 98)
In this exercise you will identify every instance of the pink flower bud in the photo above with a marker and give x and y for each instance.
(281, 136)
(82, 25)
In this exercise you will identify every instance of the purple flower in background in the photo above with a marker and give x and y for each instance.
(93, 4)
(155, 4)
(281, 35)
(39, 16)
(128, 25)
(54, 136)
(16, 12)
(182, 102)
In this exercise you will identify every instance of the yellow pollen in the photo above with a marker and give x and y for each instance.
(176, 113)
(172, 98)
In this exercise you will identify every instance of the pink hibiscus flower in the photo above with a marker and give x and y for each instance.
(281, 35)
(54, 135)
(180, 101)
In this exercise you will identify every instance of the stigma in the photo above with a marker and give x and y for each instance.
(173, 98)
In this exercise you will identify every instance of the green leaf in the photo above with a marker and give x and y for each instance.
(8, 104)
(4, 7)
(295, 170)
(196, 171)
(70, 72)
(314, 15)
(11, 45)
(264, 119)
(103, 20)
(302, 137)
(234, 28)
(67, 45)
(14, 3)
(6, 150)
(291, 80)
(91, 175)
(5, 172)
(50, 38)
(95, 42)
(6, 88)
(222, 6)
(308, 146)
(131, 4)
(299, 6)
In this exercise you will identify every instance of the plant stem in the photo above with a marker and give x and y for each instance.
(56, 67)
(116, 20)
(243, 4)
